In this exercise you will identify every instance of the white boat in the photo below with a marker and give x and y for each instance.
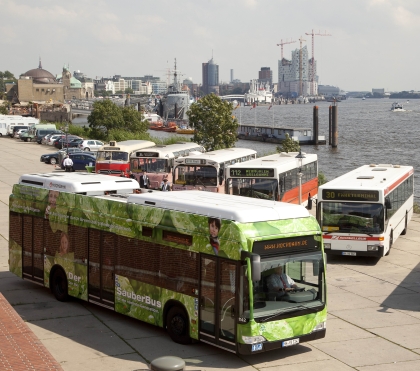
(397, 107)
(258, 93)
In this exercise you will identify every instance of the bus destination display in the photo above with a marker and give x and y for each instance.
(350, 195)
(293, 243)
(251, 173)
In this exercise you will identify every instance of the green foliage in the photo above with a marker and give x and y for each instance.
(128, 91)
(215, 127)
(321, 178)
(288, 145)
(3, 109)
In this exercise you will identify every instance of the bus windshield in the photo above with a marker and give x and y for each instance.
(112, 155)
(196, 175)
(255, 188)
(304, 276)
(149, 165)
(352, 217)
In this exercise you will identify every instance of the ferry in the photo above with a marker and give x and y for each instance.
(397, 107)
(258, 93)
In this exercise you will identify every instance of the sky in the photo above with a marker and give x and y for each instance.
(373, 43)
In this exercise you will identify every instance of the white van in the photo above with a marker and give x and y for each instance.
(8, 122)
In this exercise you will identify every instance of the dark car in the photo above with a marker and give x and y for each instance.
(81, 160)
(63, 142)
(75, 143)
(56, 157)
(43, 132)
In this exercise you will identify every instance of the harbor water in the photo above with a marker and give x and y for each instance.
(368, 133)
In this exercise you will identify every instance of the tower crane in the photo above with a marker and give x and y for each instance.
(300, 68)
(313, 57)
(284, 43)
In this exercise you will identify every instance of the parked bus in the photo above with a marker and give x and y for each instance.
(152, 257)
(206, 172)
(275, 177)
(113, 158)
(158, 161)
(363, 212)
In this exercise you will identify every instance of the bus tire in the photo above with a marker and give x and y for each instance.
(404, 232)
(390, 244)
(177, 325)
(59, 285)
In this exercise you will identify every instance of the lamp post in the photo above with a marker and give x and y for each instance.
(66, 129)
(300, 158)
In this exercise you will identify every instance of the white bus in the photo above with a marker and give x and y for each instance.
(363, 212)
(275, 177)
(158, 162)
(206, 172)
(113, 158)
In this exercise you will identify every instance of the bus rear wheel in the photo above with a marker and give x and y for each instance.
(58, 284)
(177, 325)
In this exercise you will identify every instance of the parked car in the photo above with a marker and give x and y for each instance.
(91, 145)
(81, 160)
(53, 137)
(18, 132)
(57, 157)
(16, 128)
(62, 142)
(75, 143)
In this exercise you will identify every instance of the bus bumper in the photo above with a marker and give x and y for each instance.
(378, 253)
(246, 349)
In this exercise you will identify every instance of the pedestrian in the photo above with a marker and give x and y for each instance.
(68, 163)
(122, 174)
(131, 175)
(165, 186)
(144, 180)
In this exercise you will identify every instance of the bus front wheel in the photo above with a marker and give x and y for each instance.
(390, 244)
(177, 325)
(58, 285)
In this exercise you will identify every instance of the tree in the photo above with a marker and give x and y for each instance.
(128, 91)
(288, 145)
(215, 126)
(3, 109)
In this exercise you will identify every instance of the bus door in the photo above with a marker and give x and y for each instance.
(101, 268)
(32, 244)
(218, 302)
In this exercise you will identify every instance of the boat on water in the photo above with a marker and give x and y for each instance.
(176, 101)
(258, 93)
(363, 98)
(397, 107)
(184, 129)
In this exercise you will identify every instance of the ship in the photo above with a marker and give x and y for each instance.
(176, 101)
(258, 93)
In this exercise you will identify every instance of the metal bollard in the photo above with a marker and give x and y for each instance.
(167, 363)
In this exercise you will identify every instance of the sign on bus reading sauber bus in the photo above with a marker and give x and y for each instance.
(254, 173)
(350, 195)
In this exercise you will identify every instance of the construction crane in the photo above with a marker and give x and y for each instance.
(300, 68)
(284, 43)
(313, 58)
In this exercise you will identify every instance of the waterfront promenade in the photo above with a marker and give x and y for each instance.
(373, 322)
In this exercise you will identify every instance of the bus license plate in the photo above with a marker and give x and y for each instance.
(256, 347)
(289, 343)
(349, 253)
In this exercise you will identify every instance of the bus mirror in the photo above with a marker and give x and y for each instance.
(255, 264)
(388, 203)
(309, 207)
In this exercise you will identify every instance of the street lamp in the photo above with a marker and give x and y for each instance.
(66, 129)
(300, 158)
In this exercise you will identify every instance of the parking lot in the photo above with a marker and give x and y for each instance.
(373, 321)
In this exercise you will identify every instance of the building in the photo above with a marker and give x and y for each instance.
(328, 90)
(289, 74)
(265, 76)
(210, 77)
(378, 91)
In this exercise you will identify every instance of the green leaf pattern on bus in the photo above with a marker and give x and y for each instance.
(15, 258)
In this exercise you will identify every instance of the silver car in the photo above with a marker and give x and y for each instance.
(91, 145)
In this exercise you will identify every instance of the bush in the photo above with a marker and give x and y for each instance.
(416, 208)
(321, 178)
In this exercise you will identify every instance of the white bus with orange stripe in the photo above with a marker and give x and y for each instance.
(275, 177)
(363, 212)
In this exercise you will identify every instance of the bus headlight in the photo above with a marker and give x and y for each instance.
(253, 339)
(372, 248)
(327, 246)
(320, 326)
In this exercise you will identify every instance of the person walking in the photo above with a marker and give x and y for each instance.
(68, 163)
(144, 180)
(165, 186)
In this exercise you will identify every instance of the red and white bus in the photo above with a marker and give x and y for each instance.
(363, 212)
(114, 157)
(206, 171)
(275, 177)
(158, 162)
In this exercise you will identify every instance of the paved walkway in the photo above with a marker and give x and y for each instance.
(20, 349)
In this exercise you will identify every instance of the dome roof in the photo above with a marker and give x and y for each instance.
(40, 76)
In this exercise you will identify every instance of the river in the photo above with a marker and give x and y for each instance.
(368, 133)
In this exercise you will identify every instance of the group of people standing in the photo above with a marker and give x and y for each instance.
(144, 181)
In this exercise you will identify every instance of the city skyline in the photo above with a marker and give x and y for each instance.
(372, 43)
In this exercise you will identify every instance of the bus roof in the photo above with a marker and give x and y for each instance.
(168, 150)
(127, 145)
(220, 155)
(383, 177)
(86, 183)
(217, 205)
(281, 161)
